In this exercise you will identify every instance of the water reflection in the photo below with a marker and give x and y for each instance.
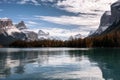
(59, 64)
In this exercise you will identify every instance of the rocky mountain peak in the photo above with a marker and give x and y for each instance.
(9, 33)
(5, 22)
(21, 25)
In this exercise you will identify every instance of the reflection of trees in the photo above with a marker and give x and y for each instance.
(43, 56)
(107, 59)
(4, 70)
(15, 60)
(78, 54)
(19, 69)
(109, 62)
(19, 59)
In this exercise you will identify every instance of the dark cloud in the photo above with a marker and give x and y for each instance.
(93, 14)
(97, 10)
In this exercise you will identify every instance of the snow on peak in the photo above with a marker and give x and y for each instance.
(12, 30)
(6, 26)
(4, 19)
(43, 35)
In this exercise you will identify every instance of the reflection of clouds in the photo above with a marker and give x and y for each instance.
(12, 50)
(91, 74)
(13, 60)
(83, 70)
(51, 64)
(64, 67)
(12, 63)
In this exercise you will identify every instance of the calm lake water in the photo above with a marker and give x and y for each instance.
(59, 64)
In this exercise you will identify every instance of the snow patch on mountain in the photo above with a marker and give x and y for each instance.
(7, 27)
(12, 30)
(42, 35)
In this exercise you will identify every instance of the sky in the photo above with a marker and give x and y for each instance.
(61, 18)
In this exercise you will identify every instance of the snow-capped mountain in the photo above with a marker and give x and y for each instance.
(30, 35)
(7, 27)
(8, 32)
(45, 35)
(42, 35)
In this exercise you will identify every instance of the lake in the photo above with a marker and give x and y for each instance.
(59, 64)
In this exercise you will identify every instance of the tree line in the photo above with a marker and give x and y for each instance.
(106, 40)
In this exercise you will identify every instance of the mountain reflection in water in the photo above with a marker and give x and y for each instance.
(59, 64)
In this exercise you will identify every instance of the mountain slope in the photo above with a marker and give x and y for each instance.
(110, 21)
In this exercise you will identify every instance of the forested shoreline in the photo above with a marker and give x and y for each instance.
(107, 40)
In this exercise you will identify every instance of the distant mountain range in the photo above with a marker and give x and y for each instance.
(10, 33)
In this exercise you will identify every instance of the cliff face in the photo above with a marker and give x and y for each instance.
(108, 19)
(105, 22)
(115, 11)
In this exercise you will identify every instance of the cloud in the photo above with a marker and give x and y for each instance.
(84, 6)
(4, 18)
(35, 2)
(72, 20)
(32, 23)
(47, 0)
(22, 2)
